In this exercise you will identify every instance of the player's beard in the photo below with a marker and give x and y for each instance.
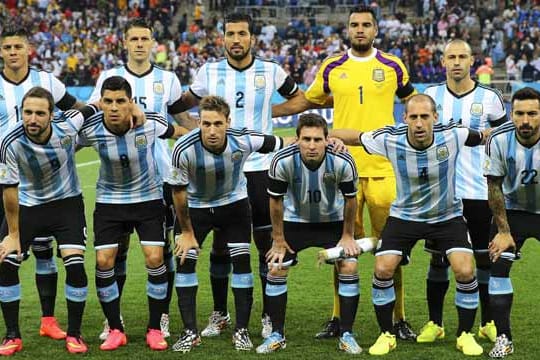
(238, 57)
(361, 48)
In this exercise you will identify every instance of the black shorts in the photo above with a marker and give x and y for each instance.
(523, 225)
(113, 221)
(478, 217)
(64, 219)
(257, 188)
(231, 223)
(399, 237)
(301, 236)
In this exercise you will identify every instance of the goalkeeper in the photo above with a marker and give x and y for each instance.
(312, 203)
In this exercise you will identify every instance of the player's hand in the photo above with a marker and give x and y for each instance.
(350, 248)
(138, 118)
(500, 243)
(277, 253)
(338, 145)
(183, 243)
(10, 244)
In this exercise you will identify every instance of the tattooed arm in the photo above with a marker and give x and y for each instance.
(503, 240)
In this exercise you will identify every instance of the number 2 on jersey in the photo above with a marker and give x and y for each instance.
(239, 100)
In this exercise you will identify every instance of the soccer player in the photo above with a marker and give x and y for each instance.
(319, 187)
(424, 156)
(157, 90)
(129, 196)
(363, 82)
(37, 171)
(247, 83)
(17, 78)
(511, 167)
(467, 102)
(210, 193)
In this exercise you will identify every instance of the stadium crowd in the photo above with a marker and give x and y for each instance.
(77, 40)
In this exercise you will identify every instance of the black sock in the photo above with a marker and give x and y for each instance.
(186, 289)
(10, 296)
(220, 267)
(485, 312)
(156, 290)
(276, 291)
(170, 280)
(348, 301)
(10, 310)
(466, 303)
(46, 285)
(437, 285)
(263, 273)
(384, 299)
(76, 290)
(109, 297)
(501, 306)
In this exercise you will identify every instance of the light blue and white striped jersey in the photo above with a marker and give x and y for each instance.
(157, 90)
(217, 179)
(44, 172)
(249, 94)
(11, 95)
(479, 109)
(128, 172)
(425, 179)
(312, 196)
(518, 164)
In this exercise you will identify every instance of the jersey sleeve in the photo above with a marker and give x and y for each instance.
(496, 111)
(494, 162)
(96, 93)
(284, 83)
(348, 183)
(179, 175)
(277, 178)
(62, 99)
(199, 86)
(9, 170)
(316, 92)
(76, 118)
(162, 127)
(373, 142)
(405, 89)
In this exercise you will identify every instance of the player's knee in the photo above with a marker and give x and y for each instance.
(274, 271)
(104, 260)
(154, 257)
(384, 269)
(464, 273)
(348, 266)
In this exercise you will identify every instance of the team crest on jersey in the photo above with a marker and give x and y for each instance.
(66, 142)
(259, 82)
(477, 109)
(442, 152)
(487, 164)
(158, 87)
(3, 172)
(343, 76)
(140, 141)
(329, 178)
(175, 175)
(237, 155)
(378, 75)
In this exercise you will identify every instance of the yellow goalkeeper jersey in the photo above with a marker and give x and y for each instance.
(363, 91)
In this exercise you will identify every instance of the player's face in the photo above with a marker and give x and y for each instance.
(238, 40)
(526, 118)
(15, 51)
(36, 117)
(116, 106)
(362, 31)
(312, 144)
(457, 60)
(420, 118)
(213, 126)
(139, 42)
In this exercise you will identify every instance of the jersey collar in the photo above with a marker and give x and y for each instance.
(364, 58)
(15, 83)
(140, 75)
(242, 69)
(464, 94)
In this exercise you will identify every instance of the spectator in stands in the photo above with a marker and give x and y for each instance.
(485, 72)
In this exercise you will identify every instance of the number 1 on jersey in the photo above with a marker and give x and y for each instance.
(361, 91)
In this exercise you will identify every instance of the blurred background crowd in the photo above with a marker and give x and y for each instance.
(77, 39)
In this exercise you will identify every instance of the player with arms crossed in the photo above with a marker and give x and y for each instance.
(362, 83)
(511, 167)
(465, 101)
(312, 203)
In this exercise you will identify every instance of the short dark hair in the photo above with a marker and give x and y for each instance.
(238, 18)
(115, 83)
(417, 97)
(41, 93)
(365, 9)
(14, 30)
(137, 23)
(215, 103)
(311, 120)
(526, 93)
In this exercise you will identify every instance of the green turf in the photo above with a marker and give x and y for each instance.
(310, 301)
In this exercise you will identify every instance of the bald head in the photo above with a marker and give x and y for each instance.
(458, 43)
(457, 60)
(420, 99)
